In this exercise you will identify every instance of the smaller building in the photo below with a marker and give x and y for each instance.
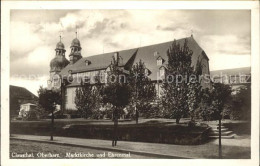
(25, 110)
(19, 96)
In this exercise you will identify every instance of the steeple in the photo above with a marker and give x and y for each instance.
(59, 61)
(75, 47)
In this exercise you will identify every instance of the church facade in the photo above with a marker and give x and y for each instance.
(79, 67)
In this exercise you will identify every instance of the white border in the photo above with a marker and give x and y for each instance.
(5, 45)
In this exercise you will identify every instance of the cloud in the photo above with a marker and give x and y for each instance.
(36, 62)
(226, 44)
(32, 83)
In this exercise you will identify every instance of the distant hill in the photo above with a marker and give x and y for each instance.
(235, 71)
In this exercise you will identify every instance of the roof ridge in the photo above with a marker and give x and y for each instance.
(139, 47)
(18, 86)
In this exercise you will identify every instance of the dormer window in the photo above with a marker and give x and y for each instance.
(147, 72)
(160, 61)
(87, 62)
(108, 69)
(116, 55)
(86, 79)
(156, 54)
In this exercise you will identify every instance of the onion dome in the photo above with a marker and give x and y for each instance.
(75, 43)
(60, 46)
(58, 63)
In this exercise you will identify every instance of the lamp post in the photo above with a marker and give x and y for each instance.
(219, 136)
(49, 90)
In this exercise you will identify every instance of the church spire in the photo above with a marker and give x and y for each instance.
(76, 32)
(60, 34)
(75, 47)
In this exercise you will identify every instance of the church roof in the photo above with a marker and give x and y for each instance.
(148, 54)
(58, 62)
(98, 62)
(60, 45)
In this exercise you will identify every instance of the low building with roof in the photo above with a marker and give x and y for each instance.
(154, 57)
(19, 96)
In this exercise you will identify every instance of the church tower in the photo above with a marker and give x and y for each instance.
(57, 63)
(75, 53)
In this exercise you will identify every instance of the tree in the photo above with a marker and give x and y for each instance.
(116, 92)
(88, 99)
(220, 95)
(143, 90)
(241, 107)
(205, 111)
(48, 99)
(175, 85)
(194, 90)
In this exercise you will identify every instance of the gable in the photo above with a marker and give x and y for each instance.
(150, 54)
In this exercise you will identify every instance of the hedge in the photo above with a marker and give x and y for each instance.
(154, 133)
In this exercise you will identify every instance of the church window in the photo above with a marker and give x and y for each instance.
(66, 96)
(73, 96)
(162, 72)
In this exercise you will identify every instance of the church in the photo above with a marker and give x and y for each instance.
(78, 66)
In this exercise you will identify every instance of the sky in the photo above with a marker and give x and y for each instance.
(225, 36)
